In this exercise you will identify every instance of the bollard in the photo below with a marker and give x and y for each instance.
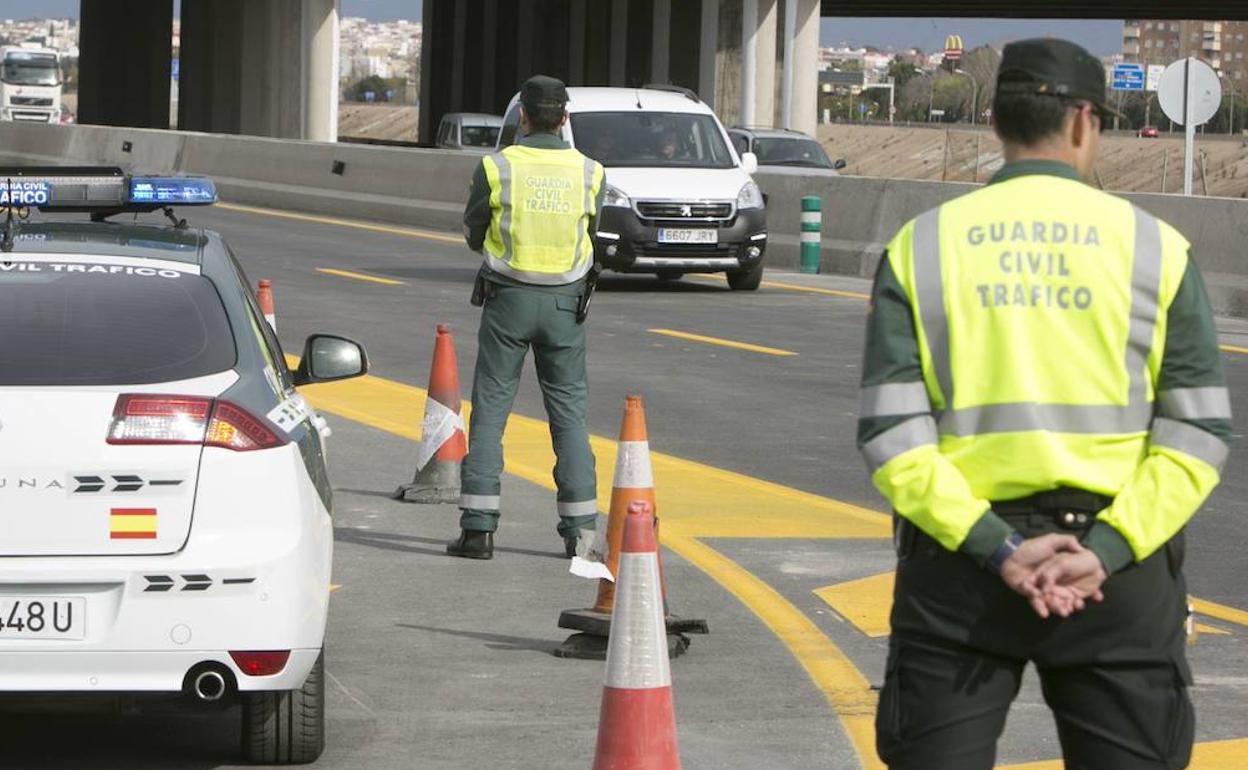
(812, 223)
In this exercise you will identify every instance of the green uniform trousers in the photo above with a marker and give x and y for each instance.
(513, 320)
(1114, 675)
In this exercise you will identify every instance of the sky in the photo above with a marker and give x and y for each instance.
(1100, 37)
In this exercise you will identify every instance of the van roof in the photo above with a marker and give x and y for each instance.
(601, 99)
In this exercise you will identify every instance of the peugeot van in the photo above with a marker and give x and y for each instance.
(679, 198)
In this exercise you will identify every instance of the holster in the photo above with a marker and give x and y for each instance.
(587, 295)
(483, 290)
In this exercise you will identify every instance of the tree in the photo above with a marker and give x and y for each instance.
(902, 72)
(374, 84)
(982, 64)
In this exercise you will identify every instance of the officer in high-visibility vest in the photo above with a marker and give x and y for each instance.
(1044, 407)
(532, 211)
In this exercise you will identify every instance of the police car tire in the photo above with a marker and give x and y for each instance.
(746, 280)
(286, 727)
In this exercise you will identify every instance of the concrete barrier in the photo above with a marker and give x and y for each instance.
(428, 188)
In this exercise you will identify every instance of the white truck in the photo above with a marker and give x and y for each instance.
(30, 84)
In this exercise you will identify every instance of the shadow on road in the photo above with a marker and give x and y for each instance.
(624, 284)
(390, 541)
(77, 735)
(493, 641)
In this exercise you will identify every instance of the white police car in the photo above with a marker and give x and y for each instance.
(164, 505)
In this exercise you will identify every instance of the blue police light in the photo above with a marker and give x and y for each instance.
(169, 191)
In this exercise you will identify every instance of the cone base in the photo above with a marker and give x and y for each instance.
(593, 647)
(437, 482)
(599, 623)
(636, 729)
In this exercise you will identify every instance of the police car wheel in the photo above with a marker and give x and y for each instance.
(746, 280)
(286, 727)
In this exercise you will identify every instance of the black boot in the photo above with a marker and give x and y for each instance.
(569, 545)
(472, 545)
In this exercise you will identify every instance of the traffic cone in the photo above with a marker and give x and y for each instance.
(264, 298)
(637, 723)
(634, 482)
(442, 443)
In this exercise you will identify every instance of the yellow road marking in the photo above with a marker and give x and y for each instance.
(334, 587)
(723, 342)
(793, 287)
(847, 692)
(1220, 611)
(1233, 349)
(358, 276)
(1213, 755)
(865, 602)
(1204, 628)
(407, 232)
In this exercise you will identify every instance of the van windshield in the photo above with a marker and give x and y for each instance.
(651, 139)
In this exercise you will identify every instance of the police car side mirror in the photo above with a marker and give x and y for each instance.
(327, 358)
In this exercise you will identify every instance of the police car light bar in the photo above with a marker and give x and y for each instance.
(99, 190)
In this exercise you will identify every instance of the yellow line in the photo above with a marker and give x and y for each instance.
(865, 602)
(1220, 611)
(406, 232)
(794, 287)
(1233, 349)
(358, 276)
(844, 687)
(723, 342)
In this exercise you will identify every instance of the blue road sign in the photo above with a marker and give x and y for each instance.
(862, 108)
(1128, 77)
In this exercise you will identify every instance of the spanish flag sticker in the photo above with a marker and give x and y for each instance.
(132, 523)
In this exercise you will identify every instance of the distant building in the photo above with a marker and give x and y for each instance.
(1223, 44)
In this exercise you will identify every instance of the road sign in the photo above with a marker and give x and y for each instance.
(1127, 77)
(1154, 76)
(938, 113)
(862, 108)
(1205, 92)
(1190, 94)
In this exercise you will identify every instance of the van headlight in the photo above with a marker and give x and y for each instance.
(750, 197)
(614, 196)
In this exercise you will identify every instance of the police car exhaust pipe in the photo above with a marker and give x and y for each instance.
(209, 686)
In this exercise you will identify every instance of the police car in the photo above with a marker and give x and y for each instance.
(164, 504)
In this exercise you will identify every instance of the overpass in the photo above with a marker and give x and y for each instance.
(269, 67)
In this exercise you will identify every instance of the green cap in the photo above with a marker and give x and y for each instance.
(1053, 67)
(543, 91)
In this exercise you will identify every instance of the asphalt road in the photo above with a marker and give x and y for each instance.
(442, 663)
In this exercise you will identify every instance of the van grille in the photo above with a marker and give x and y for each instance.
(688, 212)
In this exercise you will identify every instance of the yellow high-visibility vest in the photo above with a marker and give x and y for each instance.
(1040, 331)
(542, 201)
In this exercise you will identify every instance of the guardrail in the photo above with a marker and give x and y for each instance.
(428, 188)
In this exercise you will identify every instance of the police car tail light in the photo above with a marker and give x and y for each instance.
(233, 428)
(262, 663)
(140, 418)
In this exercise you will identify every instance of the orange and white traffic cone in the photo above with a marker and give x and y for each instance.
(634, 483)
(637, 722)
(264, 298)
(442, 443)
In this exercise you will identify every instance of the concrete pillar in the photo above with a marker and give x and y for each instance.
(210, 82)
(619, 42)
(320, 70)
(661, 42)
(576, 42)
(708, 45)
(125, 50)
(765, 66)
(459, 47)
(489, 54)
(749, 60)
(786, 81)
(805, 112)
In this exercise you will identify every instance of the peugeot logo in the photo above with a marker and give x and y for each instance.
(686, 210)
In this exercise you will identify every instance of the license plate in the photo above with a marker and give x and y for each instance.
(700, 235)
(43, 617)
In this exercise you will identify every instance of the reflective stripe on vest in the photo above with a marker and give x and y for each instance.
(542, 201)
(1196, 403)
(893, 399)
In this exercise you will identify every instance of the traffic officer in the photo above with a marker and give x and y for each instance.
(1044, 407)
(532, 211)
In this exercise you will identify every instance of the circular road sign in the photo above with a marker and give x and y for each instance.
(1206, 92)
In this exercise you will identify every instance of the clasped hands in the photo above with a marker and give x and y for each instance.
(1056, 574)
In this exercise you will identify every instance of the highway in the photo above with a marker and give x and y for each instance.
(772, 532)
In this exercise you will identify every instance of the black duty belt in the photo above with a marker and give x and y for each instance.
(1067, 508)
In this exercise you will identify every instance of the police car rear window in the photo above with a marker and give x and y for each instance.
(108, 324)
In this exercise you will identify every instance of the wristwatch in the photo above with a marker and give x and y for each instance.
(1004, 552)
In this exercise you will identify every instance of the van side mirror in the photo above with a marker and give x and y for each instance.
(749, 162)
(840, 164)
(327, 358)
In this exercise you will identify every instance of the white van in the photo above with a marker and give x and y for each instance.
(679, 199)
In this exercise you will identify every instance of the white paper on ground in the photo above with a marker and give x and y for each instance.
(590, 569)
